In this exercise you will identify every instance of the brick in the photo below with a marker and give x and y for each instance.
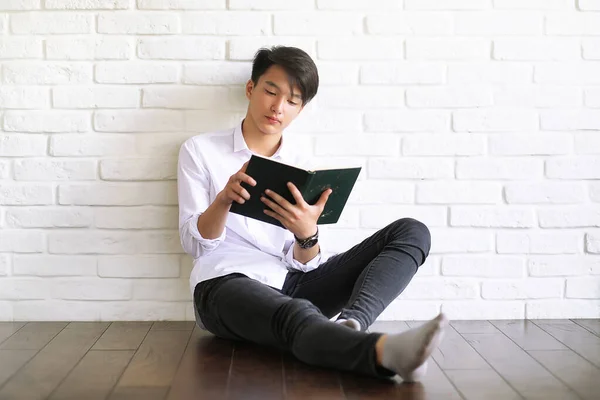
(48, 265)
(57, 310)
(113, 194)
(88, 48)
(48, 73)
(48, 217)
(21, 47)
(350, 217)
(570, 217)
(447, 5)
(4, 169)
(361, 97)
(160, 242)
(17, 145)
(539, 242)
(361, 144)
(518, 144)
(532, 4)
(494, 120)
(321, 23)
(447, 49)
(179, 48)
(562, 265)
(558, 120)
(87, 4)
(6, 310)
(136, 73)
(19, 241)
(5, 264)
(411, 168)
(92, 242)
(95, 97)
(146, 310)
(483, 266)
(337, 73)
(15, 5)
(440, 192)
(138, 121)
(3, 22)
(141, 23)
(492, 217)
(443, 144)
(575, 24)
(208, 120)
(54, 170)
(592, 243)
(50, 23)
(360, 48)
(573, 168)
(161, 290)
(410, 310)
(410, 23)
(377, 217)
(187, 97)
(406, 73)
(588, 5)
(436, 288)
(406, 121)
(219, 73)
(92, 289)
(330, 121)
(562, 309)
(513, 168)
(531, 288)
(46, 121)
(530, 96)
(472, 310)
(25, 194)
(241, 48)
(544, 193)
(530, 49)
(566, 73)
(24, 97)
(91, 145)
(453, 97)
(23, 289)
(159, 144)
(271, 5)
(180, 4)
(594, 192)
(591, 49)
(139, 169)
(139, 266)
(135, 218)
(587, 143)
(350, 4)
(457, 240)
(380, 192)
(490, 73)
(227, 23)
(499, 23)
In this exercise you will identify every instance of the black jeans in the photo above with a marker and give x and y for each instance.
(359, 283)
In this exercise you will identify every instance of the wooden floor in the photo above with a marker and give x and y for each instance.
(538, 359)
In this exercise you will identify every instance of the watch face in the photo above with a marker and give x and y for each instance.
(308, 244)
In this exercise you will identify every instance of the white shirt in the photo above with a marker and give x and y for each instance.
(256, 249)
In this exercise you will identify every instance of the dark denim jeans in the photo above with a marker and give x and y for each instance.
(359, 283)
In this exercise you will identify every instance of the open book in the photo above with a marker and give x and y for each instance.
(274, 175)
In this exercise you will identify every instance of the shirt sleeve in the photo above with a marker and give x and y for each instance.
(295, 264)
(193, 189)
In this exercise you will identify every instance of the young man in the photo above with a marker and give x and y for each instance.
(257, 282)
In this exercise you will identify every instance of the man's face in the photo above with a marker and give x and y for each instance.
(272, 105)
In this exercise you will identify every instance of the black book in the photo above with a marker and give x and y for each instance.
(274, 175)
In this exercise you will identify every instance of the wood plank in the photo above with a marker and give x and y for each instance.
(578, 339)
(582, 376)
(256, 373)
(518, 368)
(139, 393)
(123, 336)
(204, 370)
(528, 335)
(303, 381)
(7, 329)
(173, 326)
(482, 384)
(592, 325)
(11, 361)
(156, 361)
(33, 336)
(94, 376)
(454, 352)
(42, 374)
(473, 327)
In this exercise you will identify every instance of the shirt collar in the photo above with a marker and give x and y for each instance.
(239, 143)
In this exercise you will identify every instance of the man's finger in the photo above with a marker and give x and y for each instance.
(296, 193)
(324, 197)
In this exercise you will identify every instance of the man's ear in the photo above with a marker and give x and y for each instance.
(249, 87)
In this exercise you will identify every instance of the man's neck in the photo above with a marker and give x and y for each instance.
(258, 142)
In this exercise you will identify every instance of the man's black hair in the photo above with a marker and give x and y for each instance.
(298, 65)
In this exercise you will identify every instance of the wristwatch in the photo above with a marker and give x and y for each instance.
(309, 241)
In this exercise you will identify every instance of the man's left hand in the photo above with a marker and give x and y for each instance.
(300, 218)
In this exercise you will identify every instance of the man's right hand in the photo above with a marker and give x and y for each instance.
(234, 191)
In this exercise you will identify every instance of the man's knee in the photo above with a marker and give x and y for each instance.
(410, 229)
(292, 316)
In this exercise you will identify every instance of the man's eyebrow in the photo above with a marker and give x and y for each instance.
(270, 83)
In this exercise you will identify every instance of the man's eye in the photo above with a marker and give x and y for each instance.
(271, 93)
(292, 103)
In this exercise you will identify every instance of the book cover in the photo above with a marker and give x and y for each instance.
(274, 175)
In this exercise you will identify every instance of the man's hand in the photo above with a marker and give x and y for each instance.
(234, 191)
(300, 218)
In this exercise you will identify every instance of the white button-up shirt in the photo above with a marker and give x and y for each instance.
(256, 249)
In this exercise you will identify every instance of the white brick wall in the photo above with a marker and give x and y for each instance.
(480, 118)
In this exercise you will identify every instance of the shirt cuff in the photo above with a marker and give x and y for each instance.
(207, 244)
(309, 266)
